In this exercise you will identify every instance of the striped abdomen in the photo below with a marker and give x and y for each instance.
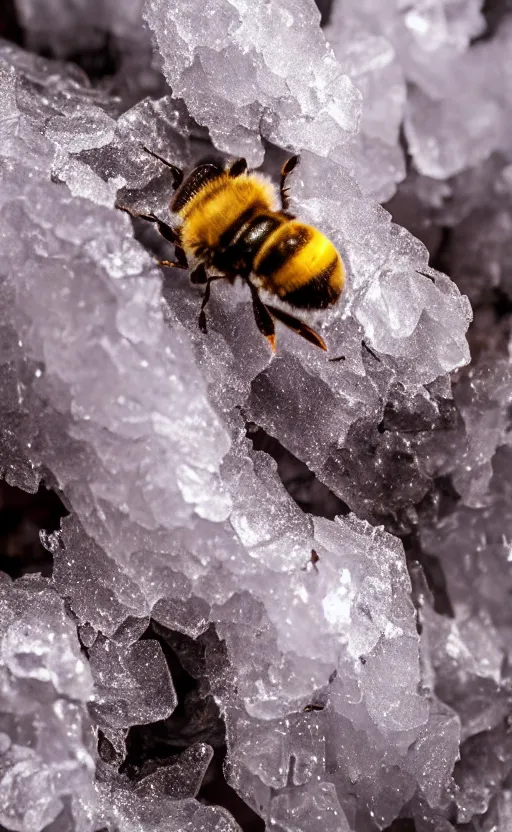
(301, 266)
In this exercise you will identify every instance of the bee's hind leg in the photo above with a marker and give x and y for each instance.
(287, 168)
(263, 317)
(298, 326)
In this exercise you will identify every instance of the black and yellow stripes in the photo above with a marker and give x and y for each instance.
(218, 206)
(232, 224)
(321, 291)
(300, 265)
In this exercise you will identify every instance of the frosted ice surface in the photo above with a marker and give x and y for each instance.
(466, 122)
(480, 253)
(47, 753)
(186, 815)
(374, 156)
(433, 754)
(338, 714)
(316, 809)
(99, 593)
(482, 398)
(133, 685)
(244, 78)
(182, 779)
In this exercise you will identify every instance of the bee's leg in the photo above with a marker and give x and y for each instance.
(285, 170)
(263, 318)
(167, 233)
(198, 276)
(165, 230)
(177, 173)
(238, 167)
(206, 296)
(181, 259)
(170, 264)
(298, 326)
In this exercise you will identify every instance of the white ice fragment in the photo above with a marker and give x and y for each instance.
(463, 117)
(80, 128)
(130, 812)
(28, 800)
(99, 591)
(180, 780)
(315, 810)
(433, 755)
(132, 683)
(253, 80)
(83, 182)
(47, 754)
(32, 649)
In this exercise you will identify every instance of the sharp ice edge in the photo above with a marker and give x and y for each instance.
(124, 449)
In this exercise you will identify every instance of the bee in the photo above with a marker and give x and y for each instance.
(234, 223)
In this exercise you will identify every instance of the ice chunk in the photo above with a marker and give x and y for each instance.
(100, 593)
(45, 681)
(462, 123)
(316, 810)
(30, 651)
(130, 812)
(374, 156)
(482, 398)
(182, 778)
(249, 77)
(133, 685)
(439, 742)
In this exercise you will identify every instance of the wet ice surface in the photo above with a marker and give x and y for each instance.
(186, 614)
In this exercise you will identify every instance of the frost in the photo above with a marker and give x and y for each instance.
(347, 671)
(45, 682)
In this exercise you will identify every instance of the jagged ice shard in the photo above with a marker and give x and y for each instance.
(280, 594)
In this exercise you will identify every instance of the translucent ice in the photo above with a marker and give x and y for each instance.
(245, 78)
(46, 751)
(288, 644)
(132, 683)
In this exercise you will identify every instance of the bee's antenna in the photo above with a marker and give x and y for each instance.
(177, 172)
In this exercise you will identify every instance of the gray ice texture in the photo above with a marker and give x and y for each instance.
(185, 636)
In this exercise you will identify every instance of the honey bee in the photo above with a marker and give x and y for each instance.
(234, 223)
